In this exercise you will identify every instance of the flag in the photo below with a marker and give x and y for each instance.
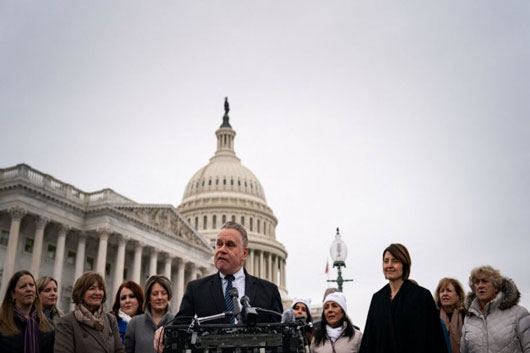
(327, 267)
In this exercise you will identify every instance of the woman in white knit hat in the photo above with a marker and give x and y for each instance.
(336, 333)
(302, 308)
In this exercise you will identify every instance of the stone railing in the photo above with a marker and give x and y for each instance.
(24, 173)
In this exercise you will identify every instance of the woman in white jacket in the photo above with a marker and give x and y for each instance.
(494, 322)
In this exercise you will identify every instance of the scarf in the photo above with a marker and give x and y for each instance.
(96, 320)
(124, 316)
(454, 326)
(334, 333)
(31, 338)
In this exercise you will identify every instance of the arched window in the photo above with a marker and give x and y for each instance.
(224, 219)
(233, 218)
(205, 222)
(214, 222)
(251, 224)
(196, 223)
(259, 223)
(242, 220)
(224, 181)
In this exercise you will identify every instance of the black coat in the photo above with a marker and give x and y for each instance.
(15, 343)
(410, 323)
(204, 297)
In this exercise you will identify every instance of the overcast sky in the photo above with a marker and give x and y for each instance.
(395, 121)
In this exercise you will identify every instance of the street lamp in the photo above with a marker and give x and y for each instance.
(338, 252)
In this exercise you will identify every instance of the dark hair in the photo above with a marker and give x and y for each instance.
(84, 282)
(240, 229)
(138, 293)
(401, 253)
(459, 290)
(321, 332)
(7, 311)
(307, 310)
(163, 281)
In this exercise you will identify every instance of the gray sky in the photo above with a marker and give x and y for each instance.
(397, 122)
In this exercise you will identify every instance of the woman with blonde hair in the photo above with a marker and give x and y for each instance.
(23, 325)
(47, 289)
(449, 297)
(494, 322)
(88, 329)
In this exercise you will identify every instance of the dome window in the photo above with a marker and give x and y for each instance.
(258, 224)
(239, 183)
(252, 186)
(242, 220)
(233, 218)
(203, 183)
(205, 222)
(245, 183)
(214, 221)
(224, 219)
(251, 224)
(216, 181)
(197, 185)
(196, 223)
(231, 181)
(224, 181)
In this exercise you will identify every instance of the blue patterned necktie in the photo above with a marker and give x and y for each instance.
(228, 298)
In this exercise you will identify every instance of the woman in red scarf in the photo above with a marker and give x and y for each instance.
(23, 326)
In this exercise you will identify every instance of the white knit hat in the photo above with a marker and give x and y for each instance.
(338, 298)
(305, 301)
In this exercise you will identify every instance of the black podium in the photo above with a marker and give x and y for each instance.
(238, 338)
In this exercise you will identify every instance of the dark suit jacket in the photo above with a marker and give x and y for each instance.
(204, 297)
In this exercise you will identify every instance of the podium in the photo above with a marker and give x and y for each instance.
(237, 338)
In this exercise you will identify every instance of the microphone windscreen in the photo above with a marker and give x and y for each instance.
(288, 316)
(233, 292)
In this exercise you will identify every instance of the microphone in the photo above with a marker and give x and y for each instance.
(249, 314)
(288, 317)
(234, 294)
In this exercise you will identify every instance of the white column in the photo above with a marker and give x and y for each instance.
(255, 265)
(275, 269)
(269, 266)
(102, 250)
(262, 273)
(180, 281)
(167, 267)
(193, 271)
(282, 273)
(120, 262)
(9, 263)
(250, 262)
(137, 266)
(37, 245)
(80, 256)
(59, 256)
(152, 262)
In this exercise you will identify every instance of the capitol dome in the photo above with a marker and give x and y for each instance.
(225, 190)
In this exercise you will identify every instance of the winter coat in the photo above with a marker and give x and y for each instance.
(15, 343)
(343, 344)
(140, 332)
(503, 328)
(409, 323)
(72, 336)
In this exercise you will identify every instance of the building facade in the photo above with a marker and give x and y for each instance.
(225, 190)
(52, 228)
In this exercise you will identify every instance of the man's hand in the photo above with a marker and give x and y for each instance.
(158, 343)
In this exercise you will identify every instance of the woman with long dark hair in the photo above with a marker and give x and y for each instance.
(127, 304)
(23, 326)
(336, 333)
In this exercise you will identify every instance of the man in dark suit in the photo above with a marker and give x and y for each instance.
(206, 296)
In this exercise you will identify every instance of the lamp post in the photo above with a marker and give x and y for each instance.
(338, 252)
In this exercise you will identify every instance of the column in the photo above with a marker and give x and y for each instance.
(120, 262)
(102, 250)
(167, 267)
(152, 262)
(137, 266)
(180, 281)
(193, 271)
(275, 269)
(262, 273)
(80, 255)
(256, 264)
(269, 266)
(282, 273)
(37, 245)
(250, 261)
(59, 256)
(16, 214)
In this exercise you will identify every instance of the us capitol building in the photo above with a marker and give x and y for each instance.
(50, 227)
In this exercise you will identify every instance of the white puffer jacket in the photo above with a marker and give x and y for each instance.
(503, 328)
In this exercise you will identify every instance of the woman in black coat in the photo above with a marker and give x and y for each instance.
(402, 315)
(23, 326)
